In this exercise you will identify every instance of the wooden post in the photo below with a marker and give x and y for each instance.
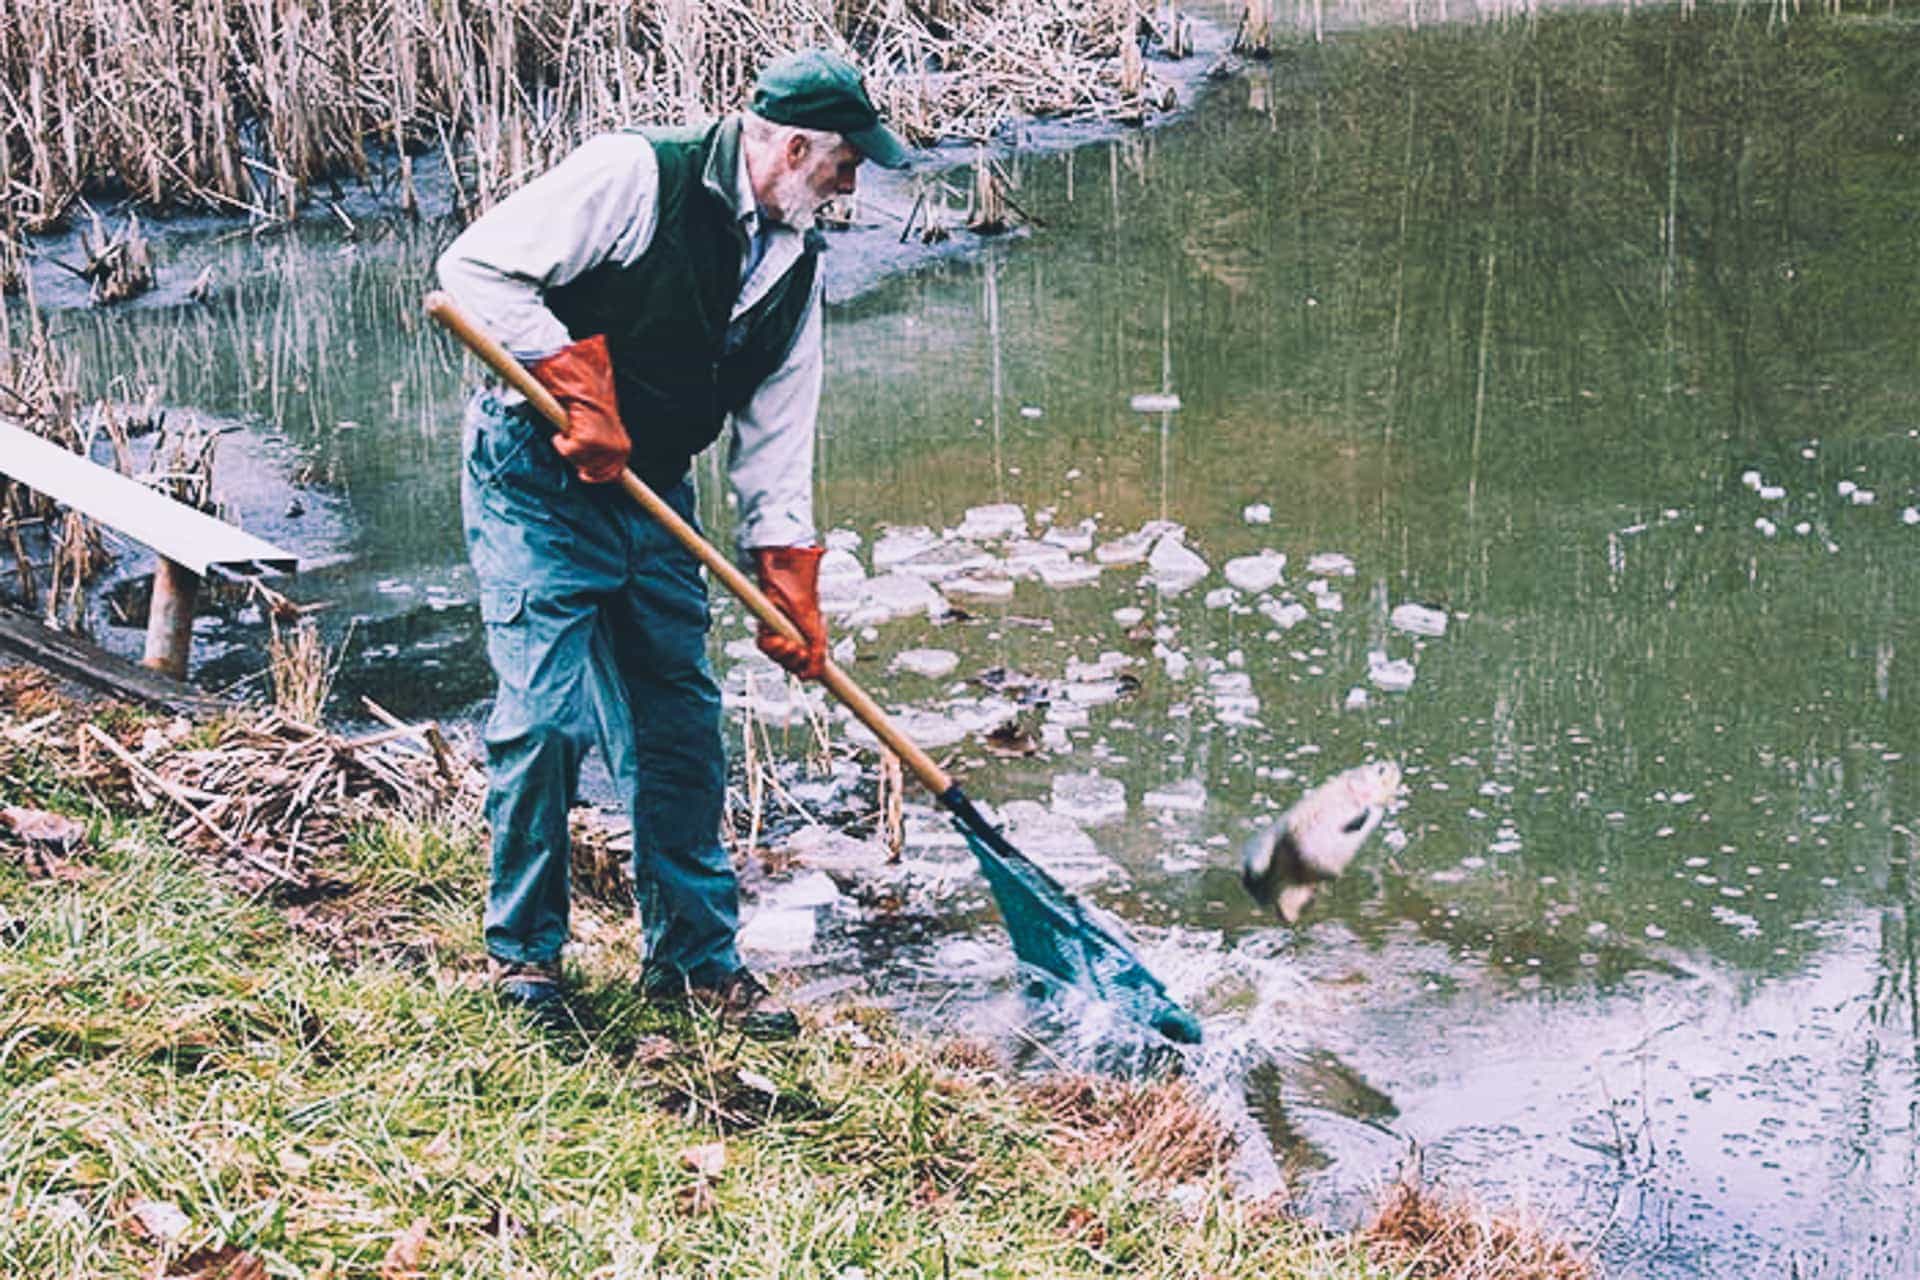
(176, 590)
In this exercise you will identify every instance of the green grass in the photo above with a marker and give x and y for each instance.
(165, 1038)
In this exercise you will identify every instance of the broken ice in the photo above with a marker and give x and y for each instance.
(1173, 566)
(1186, 796)
(1090, 798)
(1155, 402)
(931, 663)
(1284, 615)
(1257, 513)
(892, 596)
(1331, 564)
(1060, 574)
(993, 523)
(1418, 620)
(1256, 573)
(1395, 675)
(902, 543)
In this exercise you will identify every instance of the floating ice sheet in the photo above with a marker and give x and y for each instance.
(1089, 797)
(947, 560)
(1395, 675)
(892, 596)
(780, 932)
(1060, 574)
(994, 523)
(1418, 620)
(1186, 796)
(1284, 614)
(978, 587)
(903, 543)
(1331, 564)
(1256, 573)
(931, 663)
(1257, 513)
(1173, 566)
(1155, 402)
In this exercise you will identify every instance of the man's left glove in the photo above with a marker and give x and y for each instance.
(791, 578)
(581, 378)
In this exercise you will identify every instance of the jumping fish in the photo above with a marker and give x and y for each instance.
(1285, 861)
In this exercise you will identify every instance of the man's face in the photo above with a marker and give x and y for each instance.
(812, 176)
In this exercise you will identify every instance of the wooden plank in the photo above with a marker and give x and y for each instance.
(192, 539)
(94, 667)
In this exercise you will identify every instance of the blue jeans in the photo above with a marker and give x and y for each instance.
(596, 624)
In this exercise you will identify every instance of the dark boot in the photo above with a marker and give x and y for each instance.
(536, 989)
(740, 1000)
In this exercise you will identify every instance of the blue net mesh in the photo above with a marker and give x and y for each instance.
(1057, 935)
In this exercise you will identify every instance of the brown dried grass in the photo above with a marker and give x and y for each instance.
(245, 104)
(1425, 1234)
(1162, 1131)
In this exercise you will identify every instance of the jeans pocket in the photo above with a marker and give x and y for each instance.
(503, 612)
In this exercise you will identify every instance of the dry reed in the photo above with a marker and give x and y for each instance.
(1163, 1130)
(246, 104)
(1426, 1235)
(302, 668)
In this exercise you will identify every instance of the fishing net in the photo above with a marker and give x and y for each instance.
(1055, 934)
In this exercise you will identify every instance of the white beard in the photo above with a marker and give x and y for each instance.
(794, 203)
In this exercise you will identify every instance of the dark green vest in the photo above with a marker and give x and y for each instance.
(680, 363)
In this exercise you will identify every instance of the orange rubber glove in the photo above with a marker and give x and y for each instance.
(581, 379)
(791, 578)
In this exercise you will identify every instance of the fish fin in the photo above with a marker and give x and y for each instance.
(1293, 900)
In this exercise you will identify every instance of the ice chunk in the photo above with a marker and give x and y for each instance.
(841, 540)
(1751, 479)
(1331, 564)
(1329, 602)
(929, 729)
(1418, 620)
(1846, 488)
(1155, 402)
(1109, 664)
(947, 560)
(1186, 796)
(1129, 548)
(1221, 597)
(1772, 492)
(931, 663)
(839, 564)
(1076, 538)
(1025, 559)
(805, 891)
(1256, 573)
(1233, 697)
(1031, 411)
(895, 595)
(1861, 497)
(1129, 615)
(975, 587)
(994, 523)
(1356, 698)
(1090, 798)
(1096, 693)
(902, 543)
(1257, 513)
(1285, 615)
(1175, 662)
(1059, 574)
(1058, 843)
(818, 845)
(1173, 566)
(784, 932)
(1395, 675)
(1766, 527)
(1910, 516)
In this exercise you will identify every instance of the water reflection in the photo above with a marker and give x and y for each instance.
(1505, 320)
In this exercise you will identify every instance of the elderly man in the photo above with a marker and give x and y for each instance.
(658, 282)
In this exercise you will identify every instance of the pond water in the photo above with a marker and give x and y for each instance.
(1598, 335)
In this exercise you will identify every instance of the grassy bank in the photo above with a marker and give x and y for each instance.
(247, 104)
(202, 1080)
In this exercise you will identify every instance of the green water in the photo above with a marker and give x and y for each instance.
(1504, 315)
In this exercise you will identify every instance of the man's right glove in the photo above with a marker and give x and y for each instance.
(581, 379)
(791, 578)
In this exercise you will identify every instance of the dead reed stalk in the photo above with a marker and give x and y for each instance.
(302, 668)
(1426, 1235)
(245, 104)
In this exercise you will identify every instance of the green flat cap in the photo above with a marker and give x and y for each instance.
(816, 89)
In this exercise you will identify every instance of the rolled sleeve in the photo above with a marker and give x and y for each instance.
(770, 461)
(597, 205)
